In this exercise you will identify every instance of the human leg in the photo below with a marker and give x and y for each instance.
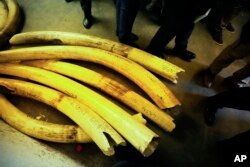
(165, 33)
(86, 6)
(242, 73)
(214, 22)
(181, 42)
(232, 9)
(126, 11)
(235, 81)
(134, 5)
(117, 5)
(229, 55)
(242, 51)
(235, 98)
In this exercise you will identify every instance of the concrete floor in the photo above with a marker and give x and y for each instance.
(188, 145)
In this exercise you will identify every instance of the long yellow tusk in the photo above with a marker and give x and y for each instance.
(12, 22)
(89, 121)
(158, 92)
(136, 133)
(42, 129)
(3, 14)
(108, 85)
(149, 61)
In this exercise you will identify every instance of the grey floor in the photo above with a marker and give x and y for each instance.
(188, 145)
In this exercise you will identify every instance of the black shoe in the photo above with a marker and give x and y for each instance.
(68, 0)
(217, 36)
(185, 54)
(87, 22)
(230, 83)
(129, 40)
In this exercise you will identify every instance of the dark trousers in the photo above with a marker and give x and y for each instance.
(222, 13)
(239, 51)
(172, 26)
(236, 98)
(126, 11)
(86, 6)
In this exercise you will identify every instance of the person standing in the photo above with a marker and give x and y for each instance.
(239, 51)
(221, 16)
(126, 11)
(178, 21)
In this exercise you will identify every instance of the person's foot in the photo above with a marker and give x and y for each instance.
(217, 36)
(87, 22)
(68, 0)
(230, 27)
(184, 54)
(208, 78)
(129, 40)
(230, 83)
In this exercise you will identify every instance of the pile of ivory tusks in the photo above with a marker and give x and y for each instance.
(10, 20)
(99, 119)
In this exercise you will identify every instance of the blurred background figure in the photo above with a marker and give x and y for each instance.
(126, 11)
(239, 51)
(221, 16)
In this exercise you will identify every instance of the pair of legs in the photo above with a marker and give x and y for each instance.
(126, 11)
(173, 25)
(220, 18)
(238, 98)
(239, 51)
